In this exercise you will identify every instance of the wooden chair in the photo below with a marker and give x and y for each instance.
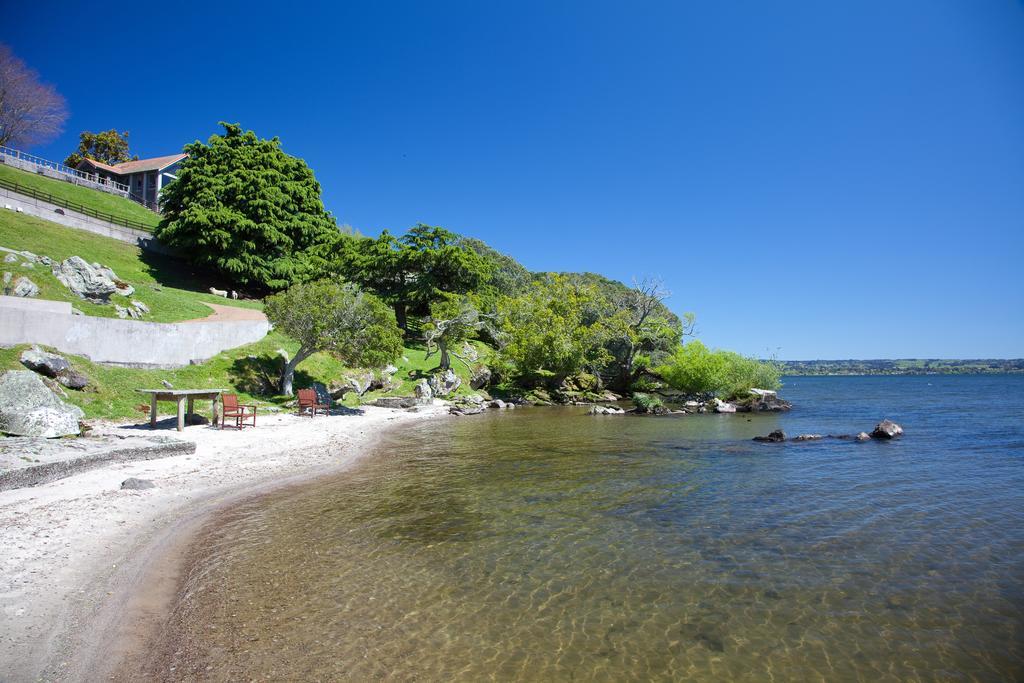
(239, 412)
(308, 401)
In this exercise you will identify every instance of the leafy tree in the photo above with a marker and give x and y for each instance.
(413, 271)
(452, 321)
(355, 327)
(31, 113)
(244, 208)
(108, 147)
(545, 332)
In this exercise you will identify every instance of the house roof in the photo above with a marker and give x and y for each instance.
(139, 166)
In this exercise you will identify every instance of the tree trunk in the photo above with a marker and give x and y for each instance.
(288, 373)
(400, 317)
(446, 362)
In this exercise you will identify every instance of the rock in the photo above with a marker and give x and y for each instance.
(480, 377)
(121, 311)
(361, 383)
(606, 410)
(887, 429)
(139, 306)
(808, 437)
(396, 402)
(469, 352)
(84, 281)
(28, 264)
(24, 287)
(389, 369)
(7, 282)
(323, 396)
(73, 379)
(123, 288)
(777, 436)
(863, 436)
(44, 363)
(167, 385)
(29, 408)
(497, 403)
(723, 407)
(445, 383)
(133, 484)
(10, 258)
(423, 390)
(764, 392)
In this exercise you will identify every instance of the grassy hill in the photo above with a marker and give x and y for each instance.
(167, 285)
(94, 199)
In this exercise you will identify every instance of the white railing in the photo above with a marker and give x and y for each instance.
(52, 169)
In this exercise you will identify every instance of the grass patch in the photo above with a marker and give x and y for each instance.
(94, 199)
(161, 282)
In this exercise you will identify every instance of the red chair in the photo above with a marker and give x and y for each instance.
(241, 413)
(309, 401)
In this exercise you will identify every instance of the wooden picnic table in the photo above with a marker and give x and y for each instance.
(181, 397)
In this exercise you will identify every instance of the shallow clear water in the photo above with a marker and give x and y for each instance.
(545, 544)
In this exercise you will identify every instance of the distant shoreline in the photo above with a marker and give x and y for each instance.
(902, 367)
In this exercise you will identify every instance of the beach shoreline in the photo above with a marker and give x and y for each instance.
(79, 585)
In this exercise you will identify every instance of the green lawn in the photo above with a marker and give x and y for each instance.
(94, 199)
(162, 283)
(244, 370)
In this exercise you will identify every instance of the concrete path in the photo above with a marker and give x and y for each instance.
(222, 313)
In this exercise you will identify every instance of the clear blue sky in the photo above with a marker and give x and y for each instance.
(812, 179)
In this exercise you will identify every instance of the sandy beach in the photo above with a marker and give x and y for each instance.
(74, 551)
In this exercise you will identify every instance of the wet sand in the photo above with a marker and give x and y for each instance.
(87, 570)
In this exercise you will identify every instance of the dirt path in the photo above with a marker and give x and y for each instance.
(222, 313)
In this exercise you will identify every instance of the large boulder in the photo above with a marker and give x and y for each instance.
(481, 377)
(53, 366)
(29, 408)
(84, 280)
(423, 390)
(887, 429)
(445, 383)
(777, 436)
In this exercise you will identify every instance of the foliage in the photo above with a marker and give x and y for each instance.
(108, 147)
(244, 208)
(550, 331)
(31, 113)
(412, 271)
(505, 275)
(699, 371)
(452, 321)
(647, 403)
(161, 282)
(355, 327)
(97, 201)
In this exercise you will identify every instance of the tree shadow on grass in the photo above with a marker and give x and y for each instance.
(259, 375)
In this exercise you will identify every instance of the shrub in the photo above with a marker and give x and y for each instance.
(699, 371)
(646, 403)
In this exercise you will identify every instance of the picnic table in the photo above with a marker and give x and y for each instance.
(181, 397)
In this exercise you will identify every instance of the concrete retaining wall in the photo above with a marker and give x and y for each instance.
(120, 342)
(72, 219)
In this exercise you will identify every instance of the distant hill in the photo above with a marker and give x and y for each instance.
(906, 366)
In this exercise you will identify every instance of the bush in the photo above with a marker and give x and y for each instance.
(646, 403)
(699, 371)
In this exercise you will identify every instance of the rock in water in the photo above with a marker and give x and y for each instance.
(85, 281)
(133, 484)
(777, 436)
(863, 436)
(887, 429)
(29, 408)
(25, 287)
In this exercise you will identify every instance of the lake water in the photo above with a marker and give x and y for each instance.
(547, 545)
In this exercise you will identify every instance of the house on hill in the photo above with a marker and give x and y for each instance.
(144, 177)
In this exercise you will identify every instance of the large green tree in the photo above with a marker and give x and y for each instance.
(247, 210)
(352, 325)
(411, 272)
(107, 146)
(546, 334)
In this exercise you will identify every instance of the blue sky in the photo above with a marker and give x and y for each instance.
(812, 179)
